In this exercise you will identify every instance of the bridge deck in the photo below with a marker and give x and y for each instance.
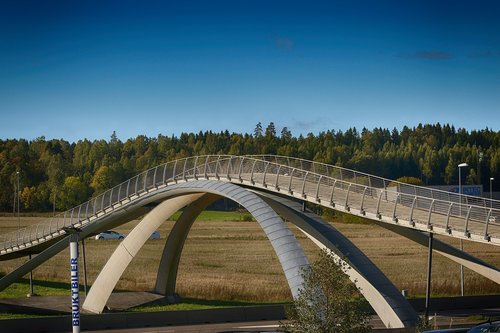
(341, 189)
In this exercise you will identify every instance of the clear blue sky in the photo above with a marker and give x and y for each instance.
(83, 69)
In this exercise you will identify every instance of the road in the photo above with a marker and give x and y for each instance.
(258, 326)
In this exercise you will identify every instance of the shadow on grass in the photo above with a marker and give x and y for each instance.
(193, 304)
(41, 287)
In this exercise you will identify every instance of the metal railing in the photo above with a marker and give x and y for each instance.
(326, 184)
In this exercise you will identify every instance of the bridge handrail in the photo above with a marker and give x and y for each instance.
(245, 168)
(380, 182)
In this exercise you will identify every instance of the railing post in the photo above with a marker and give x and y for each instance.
(119, 193)
(251, 174)
(332, 203)
(304, 184)
(239, 171)
(466, 228)
(486, 237)
(128, 187)
(195, 166)
(136, 191)
(64, 218)
(361, 209)
(154, 181)
(164, 179)
(290, 182)
(229, 167)
(276, 185)
(79, 209)
(346, 203)
(102, 202)
(394, 218)
(265, 173)
(205, 167)
(429, 225)
(317, 189)
(447, 226)
(414, 201)
(111, 198)
(217, 167)
(184, 170)
(87, 210)
(145, 180)
(174, 176)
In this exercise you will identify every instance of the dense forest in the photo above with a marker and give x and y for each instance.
(68, 173)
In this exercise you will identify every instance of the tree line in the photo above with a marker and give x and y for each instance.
(68, 173)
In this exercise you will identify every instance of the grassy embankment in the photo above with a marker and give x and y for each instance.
(228, 259)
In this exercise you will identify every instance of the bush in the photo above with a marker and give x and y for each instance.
(247, 218)
(329, 301)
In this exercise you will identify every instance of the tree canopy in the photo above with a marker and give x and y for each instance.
(428, 152)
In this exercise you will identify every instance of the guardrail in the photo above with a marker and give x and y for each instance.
(327, 184)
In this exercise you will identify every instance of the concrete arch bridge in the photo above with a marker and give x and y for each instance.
(268, 187)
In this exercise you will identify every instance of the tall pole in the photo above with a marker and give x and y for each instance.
(460, 166)
(429, 271)
(461, 271)
(460, 188)
(75, 286)
(31, 280)
(491, 191)
(18, 209)
(84, 268)
(74, 281)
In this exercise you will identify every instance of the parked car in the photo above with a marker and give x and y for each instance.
(110, 234)
(487, 327)
(155, 235)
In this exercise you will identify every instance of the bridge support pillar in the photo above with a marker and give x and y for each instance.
(167, 271)
(128, 248)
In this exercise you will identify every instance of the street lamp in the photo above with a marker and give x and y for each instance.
(18, 211)
(491, 190)
(460, 166)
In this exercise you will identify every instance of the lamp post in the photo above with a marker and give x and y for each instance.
(491, 191)
(18, 210)
(460, 166)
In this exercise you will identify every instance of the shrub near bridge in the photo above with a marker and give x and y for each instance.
(328, 302)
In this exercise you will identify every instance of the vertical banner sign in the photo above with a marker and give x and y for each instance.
(75, 288)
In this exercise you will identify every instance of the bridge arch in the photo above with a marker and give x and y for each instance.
(284, 243)
(383, 296)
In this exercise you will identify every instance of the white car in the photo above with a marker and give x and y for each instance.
(155, 235)
(109, 235)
